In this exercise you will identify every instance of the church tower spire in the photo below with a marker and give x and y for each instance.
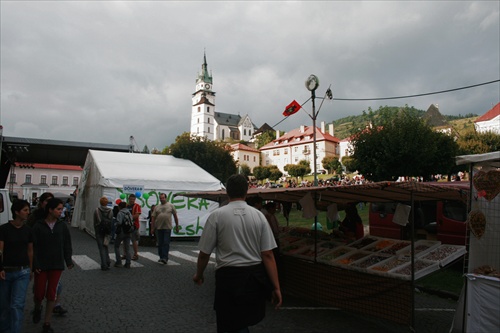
(203, 105)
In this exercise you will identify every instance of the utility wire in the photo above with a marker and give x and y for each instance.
(417, 95)
(398, 97)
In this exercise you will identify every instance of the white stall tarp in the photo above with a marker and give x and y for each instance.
(114, 174)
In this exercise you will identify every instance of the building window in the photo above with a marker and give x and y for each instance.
(27, 179)
(249, 132)
(43, 179)
(254, 159)
(197, 130)
(244, 132)
(198, 120)
(13, 178)
(209, 130)
(295, 149)
(285, 151)
(54, 180)
(75, 181)
(296, 159)
(223, 134)
(199, 109)
(208, 120)
(65, 181)
(208, 109)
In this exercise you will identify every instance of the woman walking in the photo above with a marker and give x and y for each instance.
(52, 249)
(16, 259)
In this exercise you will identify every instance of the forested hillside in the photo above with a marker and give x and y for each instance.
(344, 126)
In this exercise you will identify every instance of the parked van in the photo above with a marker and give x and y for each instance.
(5, 204)
(441, 220)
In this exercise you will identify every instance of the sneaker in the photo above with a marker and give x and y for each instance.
(47, 329)
(161, 261)
(59, 310)
(37, 315)
(164, 261)
(127, 266)
(135, 257)
(118, 265)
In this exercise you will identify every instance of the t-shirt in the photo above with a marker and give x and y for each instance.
(163, 215)
(135, 209)
(238, 233)
(15, 248)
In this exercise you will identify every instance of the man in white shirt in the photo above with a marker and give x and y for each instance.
(245, 270)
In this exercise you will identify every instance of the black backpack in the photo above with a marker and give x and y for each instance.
(106, 223)
(127, 225)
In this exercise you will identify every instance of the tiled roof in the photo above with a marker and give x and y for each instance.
(495, 111)
(291, 137)
(49, 166)
(227, 119)
(240, 146)
(204, 100)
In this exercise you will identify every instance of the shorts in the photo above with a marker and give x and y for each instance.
(134, 236)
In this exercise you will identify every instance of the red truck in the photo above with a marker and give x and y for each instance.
(441, 220)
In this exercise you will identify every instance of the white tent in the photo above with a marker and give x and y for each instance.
(115, 175)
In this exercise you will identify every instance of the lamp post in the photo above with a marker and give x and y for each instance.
(312, 83)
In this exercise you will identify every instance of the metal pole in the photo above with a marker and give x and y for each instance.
(313, 97)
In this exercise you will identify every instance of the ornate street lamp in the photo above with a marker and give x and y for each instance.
(312, 83)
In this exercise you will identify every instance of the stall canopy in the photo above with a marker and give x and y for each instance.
(116, 175)
(373, 192)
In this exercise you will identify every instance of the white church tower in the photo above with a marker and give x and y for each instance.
(203, 110)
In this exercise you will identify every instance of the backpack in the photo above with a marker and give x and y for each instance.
(106, 223)
(127, 225)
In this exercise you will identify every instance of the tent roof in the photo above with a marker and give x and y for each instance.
(153, 171)
(488, 159)
(374, 192)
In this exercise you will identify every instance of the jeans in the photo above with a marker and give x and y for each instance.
(125, 238)
(163, 237)
(103, 250)
(12, 299)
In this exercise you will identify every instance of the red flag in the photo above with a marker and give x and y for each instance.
(291, 108)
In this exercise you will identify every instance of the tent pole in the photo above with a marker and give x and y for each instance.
(412, 255)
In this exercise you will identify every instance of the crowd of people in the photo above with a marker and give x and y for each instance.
(33, 246)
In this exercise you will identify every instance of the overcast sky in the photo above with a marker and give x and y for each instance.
(96, 71)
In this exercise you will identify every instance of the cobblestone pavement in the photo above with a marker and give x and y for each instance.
(151, 297)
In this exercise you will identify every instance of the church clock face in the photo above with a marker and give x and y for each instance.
(207, 86)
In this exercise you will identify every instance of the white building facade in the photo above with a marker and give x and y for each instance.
(490, 121)
(297, 145)
(30, 180)
(244, 154)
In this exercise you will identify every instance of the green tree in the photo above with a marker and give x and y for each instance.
(298, 170)
(264, 138)
(244, 169)
(332, 164)
(211, 156)
(274, 173)
(402, 145)
(473, 142)
(260, 173)
(145, 150)
(349, 164)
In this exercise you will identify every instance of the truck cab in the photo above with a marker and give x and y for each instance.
(5, 204)
(441, 220)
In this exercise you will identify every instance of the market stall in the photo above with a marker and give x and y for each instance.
(373, 276)
(479, 306)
